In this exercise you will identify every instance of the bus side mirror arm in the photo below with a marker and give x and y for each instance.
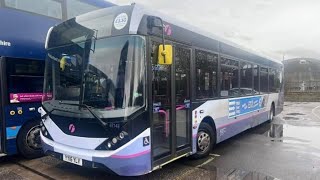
(163, 41)
(160, 26)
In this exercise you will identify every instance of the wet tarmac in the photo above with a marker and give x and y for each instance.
(48, 168)
(287, 148)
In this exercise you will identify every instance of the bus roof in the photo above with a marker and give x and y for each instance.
(139, 11)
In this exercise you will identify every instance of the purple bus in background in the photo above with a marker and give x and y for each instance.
(23, 29)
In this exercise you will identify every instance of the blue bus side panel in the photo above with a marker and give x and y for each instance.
(26, 33)
(16, 121)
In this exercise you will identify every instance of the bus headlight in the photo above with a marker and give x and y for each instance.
(44, 131)
(115, 142)
(109, 145)
(123, 134)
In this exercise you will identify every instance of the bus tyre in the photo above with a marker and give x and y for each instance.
(28, 140)
(206, 139)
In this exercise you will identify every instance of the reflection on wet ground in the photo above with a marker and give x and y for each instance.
(49, 168)
(204, 169)
(287, 133)
(290, 118)
(276, 131)
(281, 130)
(295, 114)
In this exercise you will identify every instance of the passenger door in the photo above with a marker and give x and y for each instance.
(171, 119)
(162, 106)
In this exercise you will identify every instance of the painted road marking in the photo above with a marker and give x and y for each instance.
(216, 155)
(206, 162)
(313, 112)
(190, 171)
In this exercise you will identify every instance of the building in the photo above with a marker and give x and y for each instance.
(302, 79)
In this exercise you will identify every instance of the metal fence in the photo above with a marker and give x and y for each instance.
(303, 86)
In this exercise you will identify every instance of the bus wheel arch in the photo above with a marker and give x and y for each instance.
(206, 132)
(30, 131)
(211, 122)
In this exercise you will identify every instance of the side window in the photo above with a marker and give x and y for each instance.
(278, 80)
(76, 7)
(256, 79)
(206, 74)
(246, 75)
(229, 80)
(271, 80)
(25, 80)
(264, 80)
(274, 80)
(49, 8)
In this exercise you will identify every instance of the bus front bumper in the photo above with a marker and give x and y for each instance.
(112, 161)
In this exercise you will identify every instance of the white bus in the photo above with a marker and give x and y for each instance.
(124, 102)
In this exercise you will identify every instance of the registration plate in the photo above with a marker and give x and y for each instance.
(73, 160)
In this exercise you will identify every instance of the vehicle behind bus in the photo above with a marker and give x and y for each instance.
(129, 90)
(24, 26)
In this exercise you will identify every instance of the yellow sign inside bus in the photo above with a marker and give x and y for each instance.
(165, 55)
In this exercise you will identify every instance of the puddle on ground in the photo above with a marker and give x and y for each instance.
(295, 114)
(288, 118)
(304, 135)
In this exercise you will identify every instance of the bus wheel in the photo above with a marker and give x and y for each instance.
(28, 140)
(205, 141)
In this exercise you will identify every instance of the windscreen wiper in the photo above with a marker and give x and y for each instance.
(89, 109)
(48, 113)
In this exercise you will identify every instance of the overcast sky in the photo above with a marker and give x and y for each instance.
(272, 27)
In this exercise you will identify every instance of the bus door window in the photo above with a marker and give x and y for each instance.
(182, 71)
(161, 97)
